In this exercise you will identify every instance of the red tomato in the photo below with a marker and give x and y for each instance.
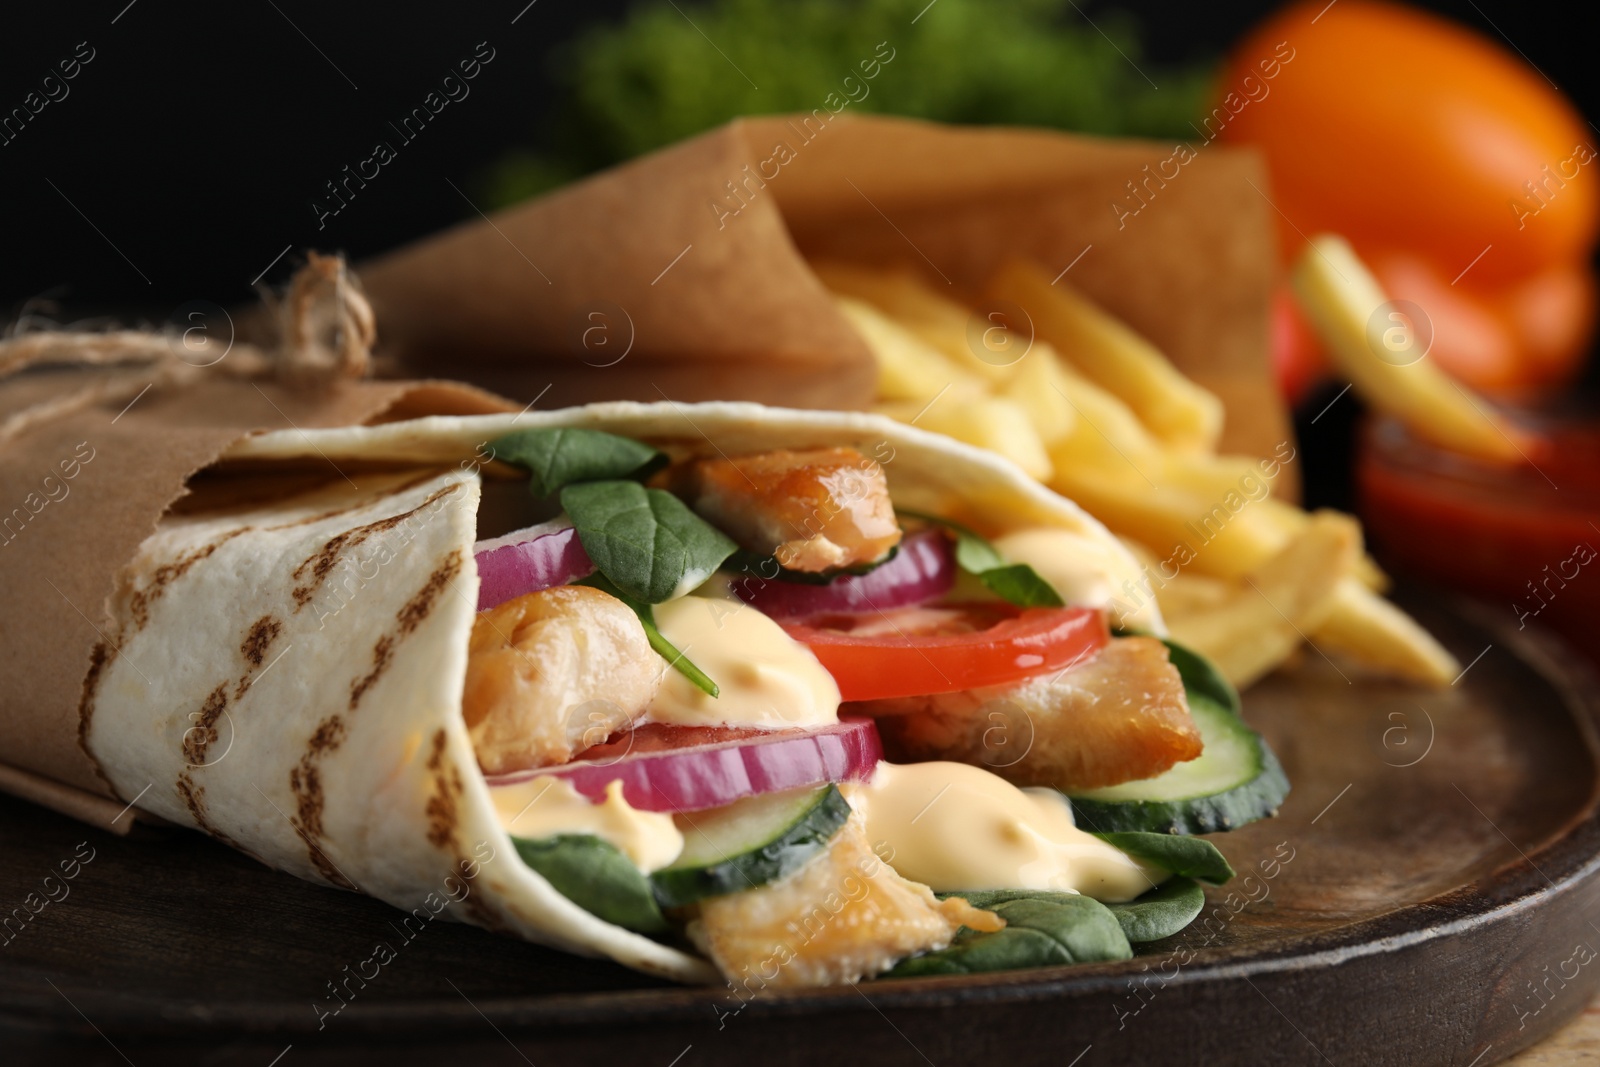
(1403, 130)
(1502, 339)
(917, 651)
(1298, 360)
(1552, 314)
(1471, 341)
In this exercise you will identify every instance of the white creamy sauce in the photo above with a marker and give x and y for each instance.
(952, 826)
(1085, 571)
(766, 677)
(544, 806)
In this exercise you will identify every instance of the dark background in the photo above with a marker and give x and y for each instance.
(196, 139)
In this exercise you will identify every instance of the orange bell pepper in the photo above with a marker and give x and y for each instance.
(1463, 177)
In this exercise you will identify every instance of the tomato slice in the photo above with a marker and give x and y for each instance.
(919, 651)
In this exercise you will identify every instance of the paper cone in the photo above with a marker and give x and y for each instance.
(691, 261)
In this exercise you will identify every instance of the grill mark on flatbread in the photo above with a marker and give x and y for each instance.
(200, 736)
(306, 779)
(328, 871)
(193, 797)
(409, 617)
(263, 632)
(443, 810)
(253, 648)
(441, 807)
(329, 735)
(197, 739)
(187, 791)
(306, 782)
(100, 657)
(321, 563)
(167, 573)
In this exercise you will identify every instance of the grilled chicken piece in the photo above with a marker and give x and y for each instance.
(552, 673)
(842, 917)
(1119, 717)
(815, 510)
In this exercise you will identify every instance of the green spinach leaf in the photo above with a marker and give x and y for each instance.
(1015, 583)
(597, 877)
(973, 554)
(1201, 676)
(658, 641)
(1021, 585)
(1043, 929)
(558, 457)
(647, 541)
(1189, 857)
(1161, 912)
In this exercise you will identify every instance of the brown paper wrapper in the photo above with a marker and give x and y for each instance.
(77, 495)
(692, 260)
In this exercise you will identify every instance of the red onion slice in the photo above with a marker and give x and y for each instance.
(539, 557)
(924, 569)
(712, 775)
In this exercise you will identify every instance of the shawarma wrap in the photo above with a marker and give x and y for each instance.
(299, 666)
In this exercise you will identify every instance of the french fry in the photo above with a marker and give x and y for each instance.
(1035, 390)
(1175, 409)
(1217, 476)
(1347, 308)
(1291, 520)
(1372, 576)
(1362, 626)
(1263, 621)
(1184, 593)
(1376, 634)
(897, 291)
(993, 422)
(1188, 595)
(1106, 432)
(1271, 526)
(1202, 532)
(908, 368)
(939, 321)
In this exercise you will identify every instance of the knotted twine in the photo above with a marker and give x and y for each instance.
(324, 331)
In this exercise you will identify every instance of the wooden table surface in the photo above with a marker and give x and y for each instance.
(1578, 1043)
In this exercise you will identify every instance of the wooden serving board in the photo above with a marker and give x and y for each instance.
(1425, 897)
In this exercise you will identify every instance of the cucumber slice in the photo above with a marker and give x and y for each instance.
(749, 843)
(1235, 780)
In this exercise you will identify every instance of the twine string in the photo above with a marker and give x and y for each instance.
(324, 328)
